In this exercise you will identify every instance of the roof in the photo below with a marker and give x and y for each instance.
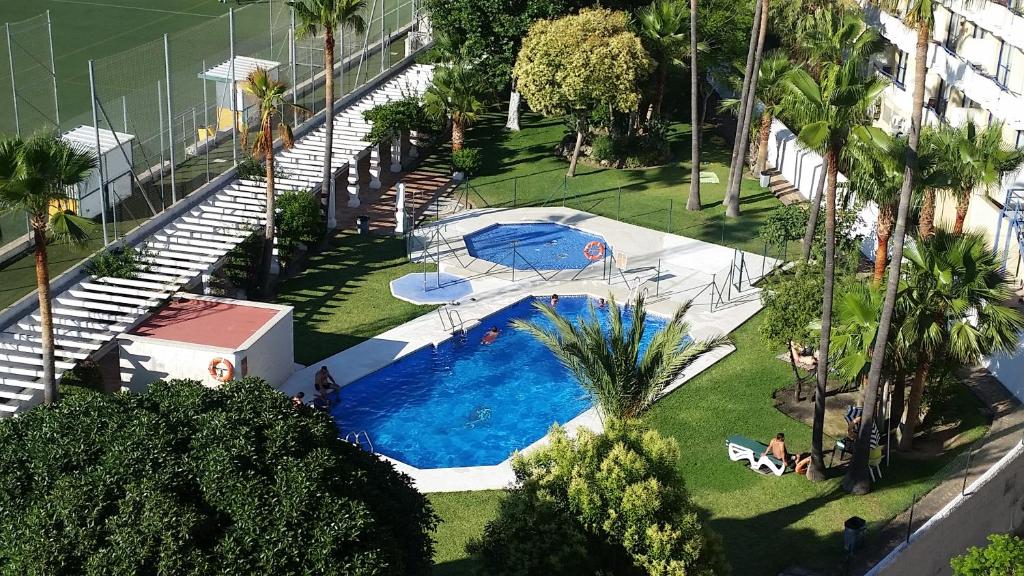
(206, 322)
(244, 65)
(85, 136)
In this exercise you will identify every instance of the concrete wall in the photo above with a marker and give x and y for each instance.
(271, 355)
(992, 504)
(146, 360)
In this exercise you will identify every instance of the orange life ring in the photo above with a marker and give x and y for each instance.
(222, 370)
(594, 250)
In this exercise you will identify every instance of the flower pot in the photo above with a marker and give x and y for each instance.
(459, 176)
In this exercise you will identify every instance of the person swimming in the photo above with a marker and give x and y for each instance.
(601, 304)
(554, 300)
(490, 336)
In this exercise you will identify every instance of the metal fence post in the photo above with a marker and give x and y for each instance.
(233, 90)
(124, 113)
(967, 469)
(565, 181)
(669, 229)
(160, 117)
(14, 89)
(618, 204)
(515, 190)
(170, 116)
(206, 127)
(53, 70)
(513, 260)
(291, 60)
(381, 41)
(910, 521)
(99, 155)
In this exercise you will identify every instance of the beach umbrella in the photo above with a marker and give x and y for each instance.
(853, 412)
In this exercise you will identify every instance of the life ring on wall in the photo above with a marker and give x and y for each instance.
(222, 370)
(594, 250)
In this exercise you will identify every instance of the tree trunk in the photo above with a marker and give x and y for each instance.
(576, 152)
(796, 372)
(812, 218)
(268, 228)
(458, 136)
(858, 478)
(926, 224)
(733, 195)
(886, 215)
(660, 79)
(693, 200)
(328, 178)
(512, 123)
(816, 471)
(899, 396)
(739, 142)
(762, 143)
(962, 204)
(912, 412)
(50, 393)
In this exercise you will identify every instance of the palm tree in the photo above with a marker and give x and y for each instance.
(693, 200)
(832, 113)
(328, 16)
(662, 25)
(754, 52)
(953, 300)
(853, 331)
(36, 177)
(876, 176)
(771, 90)
(455, 94)
(975, 157)
(609, 365)
(837, 37)
(271, 96)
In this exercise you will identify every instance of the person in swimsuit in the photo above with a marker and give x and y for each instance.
(601, 304)
(777, 448)
(490, 336)
(324, 383)
(554, 300)
(298, 400)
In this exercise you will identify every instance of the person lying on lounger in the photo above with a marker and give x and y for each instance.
(777, 448)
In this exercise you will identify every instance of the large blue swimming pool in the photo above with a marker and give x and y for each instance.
(540, 245)
(465, 403)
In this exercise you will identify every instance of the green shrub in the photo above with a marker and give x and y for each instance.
(186, 479)
(604, 149)
(599, 503)
(785, 223)
(299, 220)
(86, 375)
(390, 119)
(118, 262)
(242, 263)
(467, 160)
(252, 168)
(1004, 555)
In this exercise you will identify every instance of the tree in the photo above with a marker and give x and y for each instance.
(270, 94)
(185, 479)
(455, 94)
(876, 176)
(757, 37)
(328, 16)
(391, 119)
(831, 112)
(836, 36)
(696, 128)
(36, 178)
(770, 90)
(953, 302)
(611, 503)
(662, 25)
(622, 377)
(579, 63)
(1004, 555)
(792, 302)
(854, 330)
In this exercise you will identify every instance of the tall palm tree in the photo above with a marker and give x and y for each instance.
(837, 36)
(975, 157)
(329, 16)
(662, 25)
(271, 96)
(696, 129)
(854, 330)
(36, 177)
(771, 90)
(609, 365)
(455, 94)
(953, 300)
(832, 112)
(876, 175)
(754, 54)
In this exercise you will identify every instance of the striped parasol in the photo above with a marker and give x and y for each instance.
(856, 412)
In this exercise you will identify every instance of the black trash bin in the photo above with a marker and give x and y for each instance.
(363, 224)
(853, 533)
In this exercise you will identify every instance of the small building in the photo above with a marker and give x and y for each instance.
(232, 100)
(209, 339)
(115, 157)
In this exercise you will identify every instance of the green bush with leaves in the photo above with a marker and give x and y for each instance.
(467, 160)
(390, 119)
(186, 479)
(118, 262)
(1004, 556)
(783, 225)
(610, 503)
(86, 375)
(604, 149)
(299, 220)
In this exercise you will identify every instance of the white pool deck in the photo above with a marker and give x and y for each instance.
(687, 266)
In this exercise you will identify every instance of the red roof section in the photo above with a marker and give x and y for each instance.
(204, 322)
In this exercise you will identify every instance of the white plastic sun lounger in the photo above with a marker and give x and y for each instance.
(741, 448)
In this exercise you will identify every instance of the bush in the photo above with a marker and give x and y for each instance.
(390, 119)
(299, 220)
(117, 262)
(251, 168)
(610, 503)
(185, 479)
(466, 160)
(604, 149)
(1004, 555)
(784, 224)
(242, 263)
(86, 375)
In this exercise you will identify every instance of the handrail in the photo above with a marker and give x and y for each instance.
(462, 323)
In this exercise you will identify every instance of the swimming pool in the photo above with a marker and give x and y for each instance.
(467, 404)
(540, 245)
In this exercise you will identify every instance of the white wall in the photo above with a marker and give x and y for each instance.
(272, 355)
(146, 360)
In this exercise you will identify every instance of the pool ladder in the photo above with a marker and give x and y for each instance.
(354, 438)
(452, 315)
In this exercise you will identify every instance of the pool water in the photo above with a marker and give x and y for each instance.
(540, 245)
(468, 404)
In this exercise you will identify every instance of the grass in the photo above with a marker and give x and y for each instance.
(465, 514)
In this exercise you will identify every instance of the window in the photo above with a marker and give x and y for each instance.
(1003, 64)
(900, 73)
(953, 31)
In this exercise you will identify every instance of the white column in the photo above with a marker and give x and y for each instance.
(396, 154)
(414, 151)
(400, 209)
(375, 167)
(332, 205)
(353, 183)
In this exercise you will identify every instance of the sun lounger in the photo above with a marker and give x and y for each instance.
(741, 448)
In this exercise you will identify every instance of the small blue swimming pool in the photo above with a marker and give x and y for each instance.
(540, 245)
(465, 403)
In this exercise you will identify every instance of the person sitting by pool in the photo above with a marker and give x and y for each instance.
(777, 448)
(554, 300)
(324, 382)
(321, 404)
(490, 336)
(298, 400)
(601, 304)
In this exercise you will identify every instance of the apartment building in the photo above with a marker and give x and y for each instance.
(975, 72)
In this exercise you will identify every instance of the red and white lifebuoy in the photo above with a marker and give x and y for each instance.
(222, 370)
(594, 250)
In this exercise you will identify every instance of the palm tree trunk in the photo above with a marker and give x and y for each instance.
(858, 478)
(762, 143)
(328, 179)
(50, 393)
(796, 372)
(812, 218)
(926, 224)
(268, 228)
(458, 136)
(816, 471)
(576, 150)
(739, 144)
(962, 204)
(693, 200)
(899, 397)
(884, 231)
(733, 196)
(908, 425)
(661, 78)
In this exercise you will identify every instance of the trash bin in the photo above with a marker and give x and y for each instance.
(766, 178)
(853, 533)
(363, 224)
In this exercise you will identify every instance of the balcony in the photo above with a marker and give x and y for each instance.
(994, 16)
